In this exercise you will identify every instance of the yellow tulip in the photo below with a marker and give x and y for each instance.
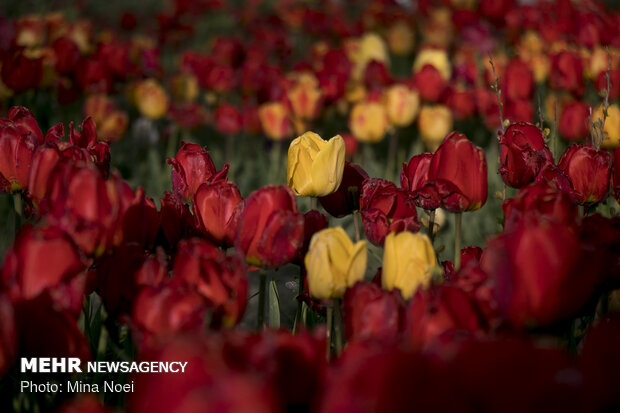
(368, 121)
(151, 99)
(275, 120)
(402, 104)
(315, 166)
(434, 122)
(407, 262)
(612, 125)
(438, 58)
(334, 263)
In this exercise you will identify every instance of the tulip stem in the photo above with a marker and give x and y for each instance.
(457, 240)
(356, 225)
(261, 298)
(300, 303)
(276, 155)
(17, 204)
(391, 155)
(338, 330)
(313, 202)
(328, 332)
(431, 225)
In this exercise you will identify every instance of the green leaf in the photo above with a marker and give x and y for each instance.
(274, 305)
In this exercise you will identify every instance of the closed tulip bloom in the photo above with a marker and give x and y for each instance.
(574, 121)
(315, 166)
(402, 105)
(346, 199)
(216, 211)
(407, 262)
(275, 121)
(589, 171)
(16, 152)
(368, 121)
(270, 231)
(438, 58)
(151, 99)
(334, 263)
(191, 167)
(459, 172)
(434, 123)
(612, 125)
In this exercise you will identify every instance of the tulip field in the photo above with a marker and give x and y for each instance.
(309, 206)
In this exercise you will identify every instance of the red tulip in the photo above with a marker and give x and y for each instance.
(536, 272)
(414, 178)
(589, 171)
(574, 121)
(140, 221)
(522, 154)
(519, 110)
(67, 55)
(542, 201)
(346, 199)
(16, 152)
(25, 122)
(567, 72)
(217, 207)
(458, 171)
(228, 120)
(518, 81)
(191, 167)
(40, 260)
(93, 76)
(441, 309)
(386, 208)
(429, 83)
(20, 73)
(314, 221)
(176, 220)
(220, 279)
(376, 76)
(167, 310)
(372, 314)
(614, 83)
(270, 231)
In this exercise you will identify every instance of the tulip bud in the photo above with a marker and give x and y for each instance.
(191, 167)
(567, 72)
(346, 199)
(368, 121)
(151, 99)
(334, 263)
(522, 153)
(434, 123)
(429, 83)
(275, 121)
(228, 120)
(612, 125)
(402, 105)
(458, 171)
(372, 314)
(589, 171)
(574, 121)
(518, 81)
(414, 178)
(270, 231)
(305, 96)
(16, 153)
(407, 262)
(385, 209)
(20, 72)
(217, 207)
(314, 166)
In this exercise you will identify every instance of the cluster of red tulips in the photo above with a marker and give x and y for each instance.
(346, 302)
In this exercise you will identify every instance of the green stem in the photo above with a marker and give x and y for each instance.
(328, 333)
(262, 287)
(338, 326)
(300, 303)
(457, 240)
(356, 225)
(313, 202)
(391, 156)
(276, 155)
(431, 225)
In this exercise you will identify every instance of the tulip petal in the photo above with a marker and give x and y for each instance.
(328, 167)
